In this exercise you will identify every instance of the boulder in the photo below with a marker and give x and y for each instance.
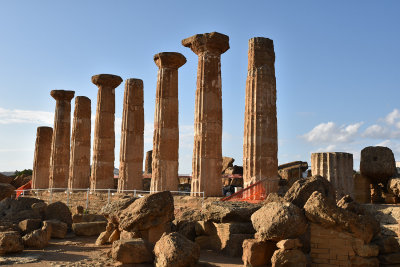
(77, 218)
(347, 203)
(105, 236)
(302, 189)
(365, 250)
(115, 235)
(377, 163)
(287, 244)
(257, 253)
(29, 225)
(59, 211)
(148, 212)
(58, 229)
(6, 190)
(5, 179)
(132, 251)
(175, 250)
(111, 210)
(325, 213)
(292, 171)
(16, 210)
(276, 220)
(228, 211)
(392, 258)
(39, 208)
(226, 163)
(89, 228)
(21, 180)
(394, 186)
(187, 228)
(39, 238)
(234, 170)
(387, 245)
(10, 242)
(289, 258)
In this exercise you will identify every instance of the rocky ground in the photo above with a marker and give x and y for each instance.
(82, 251)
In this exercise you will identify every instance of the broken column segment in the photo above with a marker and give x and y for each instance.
(166, 126)
(79, 168)
(260, 141)
(41, 162)
(132, 143)
(102, 176)
(336, 167)
(60, 149)
(207, 151)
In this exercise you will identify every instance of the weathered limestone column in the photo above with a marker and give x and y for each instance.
(41, 162)
(79, 168)
(102, 176)
(132, 142)
(148, 162)
(260, 141)
(60, 150)
(166, 126)
(207, 151)
(336, 167)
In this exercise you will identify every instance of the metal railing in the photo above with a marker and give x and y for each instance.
(51, 192)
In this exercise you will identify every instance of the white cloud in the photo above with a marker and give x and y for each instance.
(393, 117)
(12, 116)
(331, 133)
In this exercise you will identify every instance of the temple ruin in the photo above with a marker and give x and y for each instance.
(41, 159)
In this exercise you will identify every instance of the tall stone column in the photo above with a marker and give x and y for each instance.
(41, 162)
(60, 150)
(260, 141)
(166, 126)
(207, 151)
(79, 168)
(102, 176)
(336, 167)
(132, 143)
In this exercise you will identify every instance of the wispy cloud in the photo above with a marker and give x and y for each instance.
(12, 116)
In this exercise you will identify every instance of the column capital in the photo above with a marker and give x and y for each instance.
(109, 80)
(62, 94)
(213, 42)
(169, 60)
(134, 82)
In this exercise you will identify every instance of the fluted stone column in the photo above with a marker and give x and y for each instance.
(260, 141)
(336, 167)
(41, 162)
(60, 149)
(148, 162)
(207, 151)
(166, 127)
(79, 168)
(102, 176)
(132, 143)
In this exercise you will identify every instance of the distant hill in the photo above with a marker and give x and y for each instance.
(8, 173)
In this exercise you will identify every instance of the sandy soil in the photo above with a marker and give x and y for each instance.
(81, 251)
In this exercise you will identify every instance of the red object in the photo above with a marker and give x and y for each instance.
(253, 193)
(26, 186)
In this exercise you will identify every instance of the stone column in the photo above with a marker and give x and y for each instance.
(41, 162)
(260, 141)
(166, 126)
(148, 162)
(336, 167)
(60, 150)
(102, 176)
(207, 151)
(132, 143)
(79, 168)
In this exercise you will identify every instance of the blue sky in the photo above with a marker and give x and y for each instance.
(337, 68)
